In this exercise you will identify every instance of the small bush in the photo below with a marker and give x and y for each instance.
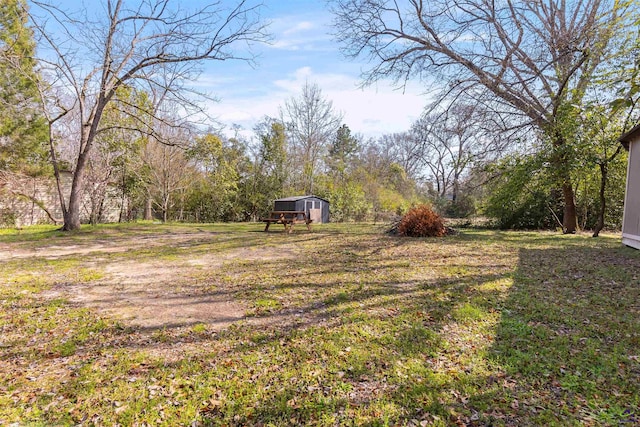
(421, 221)
(7, 218)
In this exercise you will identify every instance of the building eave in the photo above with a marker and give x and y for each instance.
(296, 198)
(629, 137)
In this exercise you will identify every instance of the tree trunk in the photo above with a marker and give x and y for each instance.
(456, 185)
(148, 216)
(603, 200)
(165, 207)
(569, 216)
(124, 194)
(72, 216)
(562, 162)
(56, 174)
(101, 207)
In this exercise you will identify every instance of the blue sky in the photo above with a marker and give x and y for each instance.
(302, 50)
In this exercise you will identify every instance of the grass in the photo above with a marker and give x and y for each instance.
(349, 327)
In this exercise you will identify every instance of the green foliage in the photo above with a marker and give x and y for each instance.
(588, 188)
(462, 207)
(7, 218)
(348, 200)
(351, 328)
(215, 193)
(520, 196)
(116, 163)
(268, 172)
(390, 201)
(207, 151)
(421, 221)
(342, 151)
(604, 162)
(23, 129)
(385, 182)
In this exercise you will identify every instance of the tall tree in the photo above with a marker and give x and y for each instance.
(452, 141)
(407, 151)
(22, 127)
(269, 169)
(602, 128)
(112, 163)
(342, 149)
(339, 185)
(212, 196)
(534, 57)
(599, 126)
(311, 122)
(90, 54)
(167, 171)
(273, 152)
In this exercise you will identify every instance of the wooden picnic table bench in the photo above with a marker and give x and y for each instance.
(288, 219)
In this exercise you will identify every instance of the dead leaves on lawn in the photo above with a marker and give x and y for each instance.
(350, 327)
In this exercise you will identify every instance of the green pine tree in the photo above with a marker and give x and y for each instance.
(23, 130)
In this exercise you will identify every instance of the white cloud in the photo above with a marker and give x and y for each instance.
(299, 27)
(302, 35)
(285, 45)
(371, 111)
(212, 81)
(305, 44)
(374, 111)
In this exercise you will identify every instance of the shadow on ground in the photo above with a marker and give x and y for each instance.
(467, 330)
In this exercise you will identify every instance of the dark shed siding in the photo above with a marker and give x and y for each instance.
(284, 205)
(300, 203)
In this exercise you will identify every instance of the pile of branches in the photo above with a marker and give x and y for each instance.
(420, 221)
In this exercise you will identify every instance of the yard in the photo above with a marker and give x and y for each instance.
(202, 325)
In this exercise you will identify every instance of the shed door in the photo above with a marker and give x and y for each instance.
(315, 215)
(315, 211)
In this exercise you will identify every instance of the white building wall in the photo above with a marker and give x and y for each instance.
(631, 220)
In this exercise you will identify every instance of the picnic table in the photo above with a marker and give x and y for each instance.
(288, 219)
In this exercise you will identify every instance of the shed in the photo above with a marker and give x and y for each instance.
(631, 216)
(316, 207)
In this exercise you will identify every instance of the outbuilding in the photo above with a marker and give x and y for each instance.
(631, 216)
(316, 207)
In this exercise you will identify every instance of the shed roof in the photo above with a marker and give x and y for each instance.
(296, 198)
(630, 136)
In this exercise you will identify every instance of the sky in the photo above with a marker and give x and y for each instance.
(303, 50)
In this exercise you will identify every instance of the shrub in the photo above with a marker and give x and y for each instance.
(463, 207)
(7, 218)
(421, 221)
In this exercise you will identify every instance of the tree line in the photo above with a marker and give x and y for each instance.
(527, 100)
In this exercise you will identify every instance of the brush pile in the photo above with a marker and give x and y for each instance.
(420, 221)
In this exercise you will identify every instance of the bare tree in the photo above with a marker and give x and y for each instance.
(535, 57)
(311, 122)
(87, 56)
(406, 150)
(168, 172)
(434, 156)
(452, 140)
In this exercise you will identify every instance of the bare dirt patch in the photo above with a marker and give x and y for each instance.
(156, 294)
(109, 245)
(157, 305)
